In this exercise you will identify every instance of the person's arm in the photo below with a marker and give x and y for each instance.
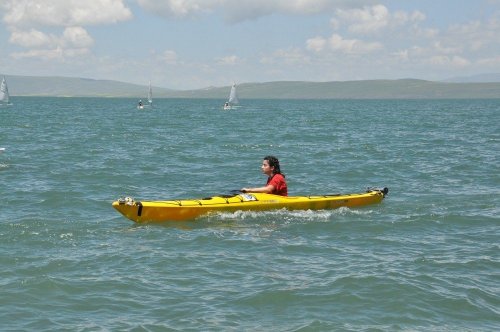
(266, 189)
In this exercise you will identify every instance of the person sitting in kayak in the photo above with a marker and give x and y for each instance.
(276, 183)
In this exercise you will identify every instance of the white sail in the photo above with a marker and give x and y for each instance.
(150, 94)
(233, 97)
(4, 92)
(141, 105)
(233, 101)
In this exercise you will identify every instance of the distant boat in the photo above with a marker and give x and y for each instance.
(2, 150)
(4, 93)
(233, 99)
(141, 105)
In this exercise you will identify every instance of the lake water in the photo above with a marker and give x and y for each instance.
(426, 258)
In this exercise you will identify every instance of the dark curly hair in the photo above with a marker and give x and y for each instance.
(274, 162)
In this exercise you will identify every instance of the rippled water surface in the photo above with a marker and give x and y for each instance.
(427, 258)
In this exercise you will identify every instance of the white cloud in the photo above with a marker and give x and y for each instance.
(169, 57)
(471, 44)
(365, 20)
(401, 55)
(373, 19)
(76, 37)
(30, 38)
(241, 10)
(287, 57)
(26, 19)
(32, 13)
(425, 33)
(229, 60)
(51, 54)
(493, 61)
(375, 40)
(454, 61)
(337, 43)
(401, 18)
(292, 56)
(316, 44)
(438, 47)
(72, 37)
(369, 20)
(178, 8)
(473, 36)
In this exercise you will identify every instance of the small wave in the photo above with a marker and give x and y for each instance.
(285, 215)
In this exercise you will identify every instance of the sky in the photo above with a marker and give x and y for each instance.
(193, 44)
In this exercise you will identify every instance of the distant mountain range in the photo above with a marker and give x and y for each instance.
(480, 78)
(470, 87)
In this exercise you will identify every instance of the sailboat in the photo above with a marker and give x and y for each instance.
(233, 99)
(4, 93)
(141, 105)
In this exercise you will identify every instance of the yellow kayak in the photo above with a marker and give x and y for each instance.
(189, 209)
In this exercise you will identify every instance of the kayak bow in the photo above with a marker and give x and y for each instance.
(189, 209)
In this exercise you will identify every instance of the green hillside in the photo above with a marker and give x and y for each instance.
(72, 87)
(374, 89)
(369, 89)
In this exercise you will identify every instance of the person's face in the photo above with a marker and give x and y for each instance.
(266, 169)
